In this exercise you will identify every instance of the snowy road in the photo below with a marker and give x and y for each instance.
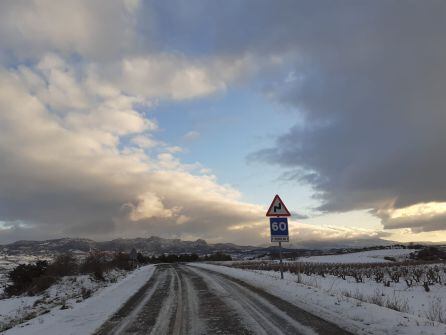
(179, 299)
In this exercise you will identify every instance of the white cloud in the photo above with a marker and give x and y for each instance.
(145, 141)
(171, 76)
(191, 135)
(430, 216)
(97, 29)
(63, 169)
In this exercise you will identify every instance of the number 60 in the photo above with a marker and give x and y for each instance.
(275, 226)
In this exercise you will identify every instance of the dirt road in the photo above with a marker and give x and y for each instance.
(181, 299)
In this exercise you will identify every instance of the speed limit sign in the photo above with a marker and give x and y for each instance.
(279, 229)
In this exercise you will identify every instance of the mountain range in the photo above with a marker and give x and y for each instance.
(151, 245)
(157, 245)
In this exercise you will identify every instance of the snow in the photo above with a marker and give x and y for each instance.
(351, 314)
(371, 256)
(83, 317)
(417, 301)
(66, 292)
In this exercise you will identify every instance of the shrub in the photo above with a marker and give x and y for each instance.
(142, 259)
(436, 311)
(22, 277)
(41, 283)
(377, 298)
(63, 265)
(431, 254)
(122, 261)
(188, 258)
(85, 292)
(218, 256)
(94, 264)
(396, 304)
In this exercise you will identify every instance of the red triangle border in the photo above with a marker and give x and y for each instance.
(271, 206)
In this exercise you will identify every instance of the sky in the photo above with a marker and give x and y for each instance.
(183, 119)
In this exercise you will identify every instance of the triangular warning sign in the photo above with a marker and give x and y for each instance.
(278, 208)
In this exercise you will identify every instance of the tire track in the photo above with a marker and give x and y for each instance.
(264, 313)
(122, 318)
(181, 300)
(211, 315)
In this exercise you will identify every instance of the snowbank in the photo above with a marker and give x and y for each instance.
(85, 317)
(351, 314)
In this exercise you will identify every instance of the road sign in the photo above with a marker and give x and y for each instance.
(279, 229)
(278, 208)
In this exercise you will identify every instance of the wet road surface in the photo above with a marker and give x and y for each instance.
(180, 299)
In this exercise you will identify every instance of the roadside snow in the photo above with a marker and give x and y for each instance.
(371, 256)
(86, 316)
(66, 292)
(351, 314)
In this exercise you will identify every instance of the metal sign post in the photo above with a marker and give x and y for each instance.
(279, 226)
(280, 260)
(279, 233)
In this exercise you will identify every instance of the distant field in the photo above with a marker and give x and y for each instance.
(372, 256)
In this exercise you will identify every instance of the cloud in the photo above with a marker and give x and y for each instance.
(96, 29)
(67, 170)
(365, 81)
(79, 152)
(191, 135)
(78, 144)
(421, 217)
(307, 235)
(368, 85)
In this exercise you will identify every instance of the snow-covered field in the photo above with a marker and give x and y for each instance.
(66, 308)
(371, 256)
(352, 314)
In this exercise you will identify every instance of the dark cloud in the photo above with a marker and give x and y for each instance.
(369, 80)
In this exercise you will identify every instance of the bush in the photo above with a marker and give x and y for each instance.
(41, 283)
(23, 276)
(397, 304)
(94, 264)
(431, 254)
(86, 293)
(64, 265)
(437, 311)
(142, 259)
(218, 256)
(188, 258)
(122, 261)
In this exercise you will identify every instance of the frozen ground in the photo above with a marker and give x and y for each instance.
(351, 314)
(78, 316)
(372, 256)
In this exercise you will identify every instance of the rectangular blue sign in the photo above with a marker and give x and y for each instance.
(279, 229)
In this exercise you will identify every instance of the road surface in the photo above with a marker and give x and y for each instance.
(180, 299)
